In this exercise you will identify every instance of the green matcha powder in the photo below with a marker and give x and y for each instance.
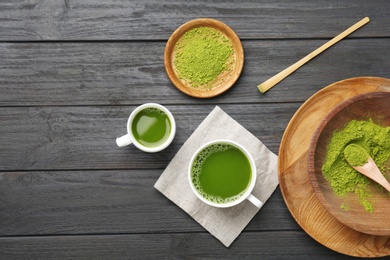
(201, 55)
(342, 177)
(355, 155)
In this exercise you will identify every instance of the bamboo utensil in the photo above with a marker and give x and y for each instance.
(266, 85)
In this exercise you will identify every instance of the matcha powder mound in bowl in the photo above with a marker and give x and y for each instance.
(201, 55)
(337, 171)
(203, 58)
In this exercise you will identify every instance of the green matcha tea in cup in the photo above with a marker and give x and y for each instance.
(222, 173)
(150, 127)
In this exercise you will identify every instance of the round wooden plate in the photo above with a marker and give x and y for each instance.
(225, 80)
(375, 106)
(294, 181)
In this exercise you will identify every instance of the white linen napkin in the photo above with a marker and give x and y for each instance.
(224, 223)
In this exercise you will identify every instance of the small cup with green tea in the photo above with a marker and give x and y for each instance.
(150, 127)
(222, 173)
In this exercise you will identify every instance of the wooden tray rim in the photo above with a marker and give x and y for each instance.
(295, 212)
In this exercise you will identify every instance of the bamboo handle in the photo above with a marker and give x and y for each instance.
(266, 85)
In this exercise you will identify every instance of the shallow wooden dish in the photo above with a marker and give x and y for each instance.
(361, 107)
(225, 80)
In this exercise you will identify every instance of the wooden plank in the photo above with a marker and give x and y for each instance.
(156, 20)
(250, 245)
(105, 202)
(72, 71)
(54, 138)
(125, 73)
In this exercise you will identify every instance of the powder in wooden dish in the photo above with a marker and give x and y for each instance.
(201, 55)
(355, 155)
(341, 176)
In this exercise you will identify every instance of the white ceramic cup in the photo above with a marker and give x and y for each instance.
(129, 137)
(246, 195)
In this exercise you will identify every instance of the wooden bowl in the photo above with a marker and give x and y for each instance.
(362, 107)
(225, 80)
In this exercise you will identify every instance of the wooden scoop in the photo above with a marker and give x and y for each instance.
(369, 169)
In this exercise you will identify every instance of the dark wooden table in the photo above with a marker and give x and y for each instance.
(72, 71)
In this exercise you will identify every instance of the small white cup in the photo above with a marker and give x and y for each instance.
(129, 137)
(246, 195)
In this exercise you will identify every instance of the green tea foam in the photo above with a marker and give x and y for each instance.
(221, 173)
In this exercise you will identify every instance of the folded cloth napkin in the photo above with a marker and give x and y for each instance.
(223, 223)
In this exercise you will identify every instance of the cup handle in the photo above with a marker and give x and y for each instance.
(123, 140)
(255, 201)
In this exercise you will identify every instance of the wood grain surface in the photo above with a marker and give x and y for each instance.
(295, 184)
(72, 71)
(65, 20)
(59, 138)
(123, 73)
